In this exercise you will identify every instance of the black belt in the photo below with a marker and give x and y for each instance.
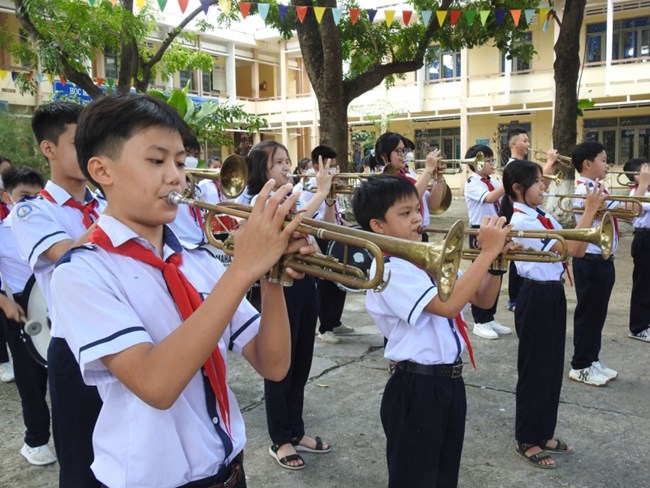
(641, 230)
(596, 257)
(547, 282)
(232, 474)
(444, 370)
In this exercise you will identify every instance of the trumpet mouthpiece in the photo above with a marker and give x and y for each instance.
(174, 198)
(421, 230)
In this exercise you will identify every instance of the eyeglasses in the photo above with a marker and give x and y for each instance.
(401, 151)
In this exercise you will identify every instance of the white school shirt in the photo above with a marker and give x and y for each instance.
(413, 334)
(525, 218)
(475, 192)
(582, 184)
(300, 204)
(643, 220)
(127, 302)
(211, 191)
(426, 216)
(38, 224)
(14, 270)
(186, 226)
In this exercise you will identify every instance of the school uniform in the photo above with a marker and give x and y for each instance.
(476, 190)
(134, 443)
(640, 298)
(540, 322)
(594, 279)
(30, 376)
(38, 224)
(412, 176)
(514, 280)
(423, 408)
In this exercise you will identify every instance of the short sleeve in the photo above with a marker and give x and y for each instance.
(475, 191)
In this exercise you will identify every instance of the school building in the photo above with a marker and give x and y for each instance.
(458, 99)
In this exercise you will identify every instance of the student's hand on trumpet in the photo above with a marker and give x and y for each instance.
(595, 199)
(493, 236)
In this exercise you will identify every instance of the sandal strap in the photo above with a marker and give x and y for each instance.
(319, 443)
(291, 457)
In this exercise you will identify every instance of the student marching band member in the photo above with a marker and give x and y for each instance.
(164, 315)
(540, 316)
(45, 228)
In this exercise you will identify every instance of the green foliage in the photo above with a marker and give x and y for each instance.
(18, 144)
(584, 103)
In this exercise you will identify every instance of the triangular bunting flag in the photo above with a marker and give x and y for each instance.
(183, 5)
(441, 15)
(354, 15)
(244, 8)
(50, 78)
(283, 9)
(162, 4)
(205, 4)
(225, 5)
(545, 13)
(39, 78)
(336, 13)
(110, 82)
(426, 16)
(470, 15)
(516, 15)
(14, 75)
(63, 80)
(3, 74)
(371, 14)
(319, 12)
(454, 16)
(301, 11)
(100, 81)
(500, 15)
(390, 15)
(139, 3)
(406, 16)
(91, 2)
(529, 13)
(484, 16)
(263, 10)
(114, 2)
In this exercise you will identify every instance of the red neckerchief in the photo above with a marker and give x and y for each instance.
(4, 211)
(548, 224)
(87, 209)
(486, 180)
(404, 173)
(462, 325)
(187, 300)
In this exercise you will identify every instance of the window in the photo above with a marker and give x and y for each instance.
(186, 75)
(624, 138)
(631, 40)
(443, 65)
(111, 69)
(446, 139)
(208, 83)
(518, 64)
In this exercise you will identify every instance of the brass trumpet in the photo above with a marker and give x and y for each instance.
(621, 213)
(565, 161)
(233, 176)
(619, 174)
(440, 261)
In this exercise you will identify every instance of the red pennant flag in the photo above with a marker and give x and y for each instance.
(354, 15)
(244, 8)
(454, 16)
(183, 5)
(516, 15)
(406, 16)
(63, 80)
(100, 81)
(301, 11)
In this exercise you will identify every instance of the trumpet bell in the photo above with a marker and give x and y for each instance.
(233, 176)
(445, 203)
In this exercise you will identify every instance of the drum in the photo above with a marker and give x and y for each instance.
(35, 332)
(357, 257)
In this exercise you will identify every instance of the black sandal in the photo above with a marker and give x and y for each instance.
(284, 462)
(561, 448)
(534, 459)
(318, 449)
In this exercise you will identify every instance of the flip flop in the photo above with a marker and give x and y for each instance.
(561, 448)
(534, 459)
(284, 462)
(317, 450)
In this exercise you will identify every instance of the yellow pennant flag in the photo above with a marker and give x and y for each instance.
(441, 14)
(3, 74)
(139, 3)
(225, 5)
(50, 78)
(319, 12)
(390, 15)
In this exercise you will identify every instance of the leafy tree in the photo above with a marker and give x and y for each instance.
(347, 60)
(18, 144)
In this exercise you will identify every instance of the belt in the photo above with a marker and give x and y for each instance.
(444, 370)
(547, 282)
(233, 471)
(596, 257)
(641, 230)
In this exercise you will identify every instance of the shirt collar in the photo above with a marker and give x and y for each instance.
(522, 207)
(61, 196)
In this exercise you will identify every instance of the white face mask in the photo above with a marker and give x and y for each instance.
(191, 162)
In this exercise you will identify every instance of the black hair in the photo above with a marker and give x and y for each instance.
(302, 165)
(50, 120)
(408, 143)
(522, 173)
(514, 132)
(107, 123)
(475, 149)
(585, 150)
(17, 175)
(257, 161)
(372, 199)
(325, 152)
(191, 143)
(5, 160)
(384, 146)
(634, 166)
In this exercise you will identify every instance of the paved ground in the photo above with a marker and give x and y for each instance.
(610, 426)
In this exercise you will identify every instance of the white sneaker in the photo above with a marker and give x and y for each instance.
(485, 331)
(589, 376)
(343, 329)
(644, 335)
(602, 368)
(329, 337)
(38, 456)
(6, 372)
(499, 328)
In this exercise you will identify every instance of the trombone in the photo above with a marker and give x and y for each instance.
(233, 176)
(565, 161)
(630, 174)
(441, 261)
(636, 204)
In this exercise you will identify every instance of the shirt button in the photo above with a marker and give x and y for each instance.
(215, 420)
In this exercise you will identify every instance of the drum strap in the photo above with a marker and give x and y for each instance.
(187, 300)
